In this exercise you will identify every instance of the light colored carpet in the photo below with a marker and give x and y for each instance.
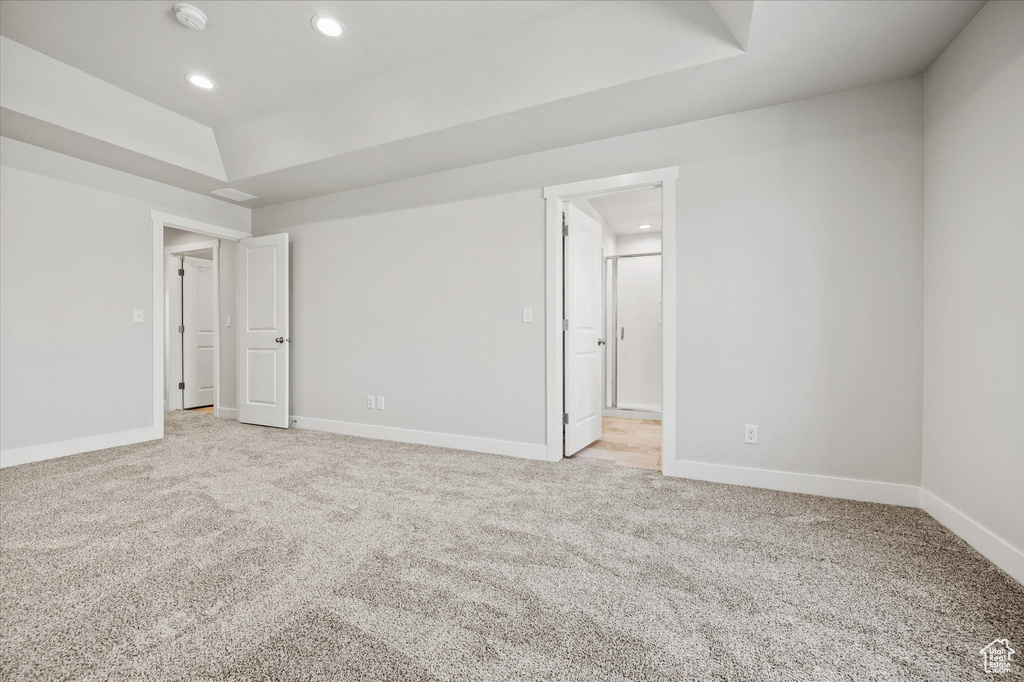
(236, 552)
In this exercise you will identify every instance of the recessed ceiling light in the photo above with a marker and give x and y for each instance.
(645, 226)
(200, 81)
(328, 26)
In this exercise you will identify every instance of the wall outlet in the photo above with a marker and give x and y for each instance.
(380, 402)
(369, 402)
(527, 314)
(750, 434)
(229, 320)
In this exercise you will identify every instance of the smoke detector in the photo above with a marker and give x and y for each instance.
(193, 17)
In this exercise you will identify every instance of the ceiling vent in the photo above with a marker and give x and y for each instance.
(232, 194)
(193, 17)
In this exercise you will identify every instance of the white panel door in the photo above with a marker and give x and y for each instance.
(263, 340)
(197, 342)
(583, 358)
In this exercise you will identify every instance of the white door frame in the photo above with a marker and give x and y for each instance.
(172, 366)
(554, 197)
(160, 221)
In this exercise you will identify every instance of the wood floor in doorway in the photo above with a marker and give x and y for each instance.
(206, 410)
(627, 442)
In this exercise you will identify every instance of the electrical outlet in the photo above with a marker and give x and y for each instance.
(369, 402)
(527, 315)
(750, 434)
(380, 402)
(229, 320)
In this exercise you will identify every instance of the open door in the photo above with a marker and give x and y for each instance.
(198, 292)
(263, 336)
(583, 359)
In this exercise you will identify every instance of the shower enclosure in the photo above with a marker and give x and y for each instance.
(633, 323)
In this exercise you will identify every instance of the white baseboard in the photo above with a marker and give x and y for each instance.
(631, 414)
(444, 440)
(989, 545)
(808, 484)
(37, 453)
(227, 413)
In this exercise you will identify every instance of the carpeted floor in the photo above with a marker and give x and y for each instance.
(236, 552)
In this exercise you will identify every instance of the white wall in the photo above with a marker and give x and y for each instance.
(423, 307)
(76, 250)
(645, 242)
(974, 274)
(800, 297)
(175, 237)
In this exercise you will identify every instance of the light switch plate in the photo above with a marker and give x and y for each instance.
(369, 402)
(229, 320)
(527, 314)
(138, 315)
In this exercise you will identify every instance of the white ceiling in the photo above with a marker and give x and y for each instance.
(421, 87)
(261, 54)
(624, 212)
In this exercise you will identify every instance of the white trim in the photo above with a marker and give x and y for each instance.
(37, 453)
(554, 197)
(553, 326)
(190, 225)
(443, 440)
(226, 413)
(807, 484)
(160, 221)
(614, 183)
(988, 544)
(631, 414)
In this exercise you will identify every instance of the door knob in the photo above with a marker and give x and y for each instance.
(600, 342)
(281, 339)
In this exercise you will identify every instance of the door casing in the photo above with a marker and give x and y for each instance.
(159, 221)
(555, 197)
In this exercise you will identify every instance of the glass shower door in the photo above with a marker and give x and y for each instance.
(635, 333)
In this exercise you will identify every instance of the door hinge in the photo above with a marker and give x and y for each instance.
(565, 325)
(565, 419)
(181, 272)
(565, 226)
(181, 329)
(181, 384)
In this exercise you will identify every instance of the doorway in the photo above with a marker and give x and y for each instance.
(633, 422)
(193, 338)
(257, 365)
